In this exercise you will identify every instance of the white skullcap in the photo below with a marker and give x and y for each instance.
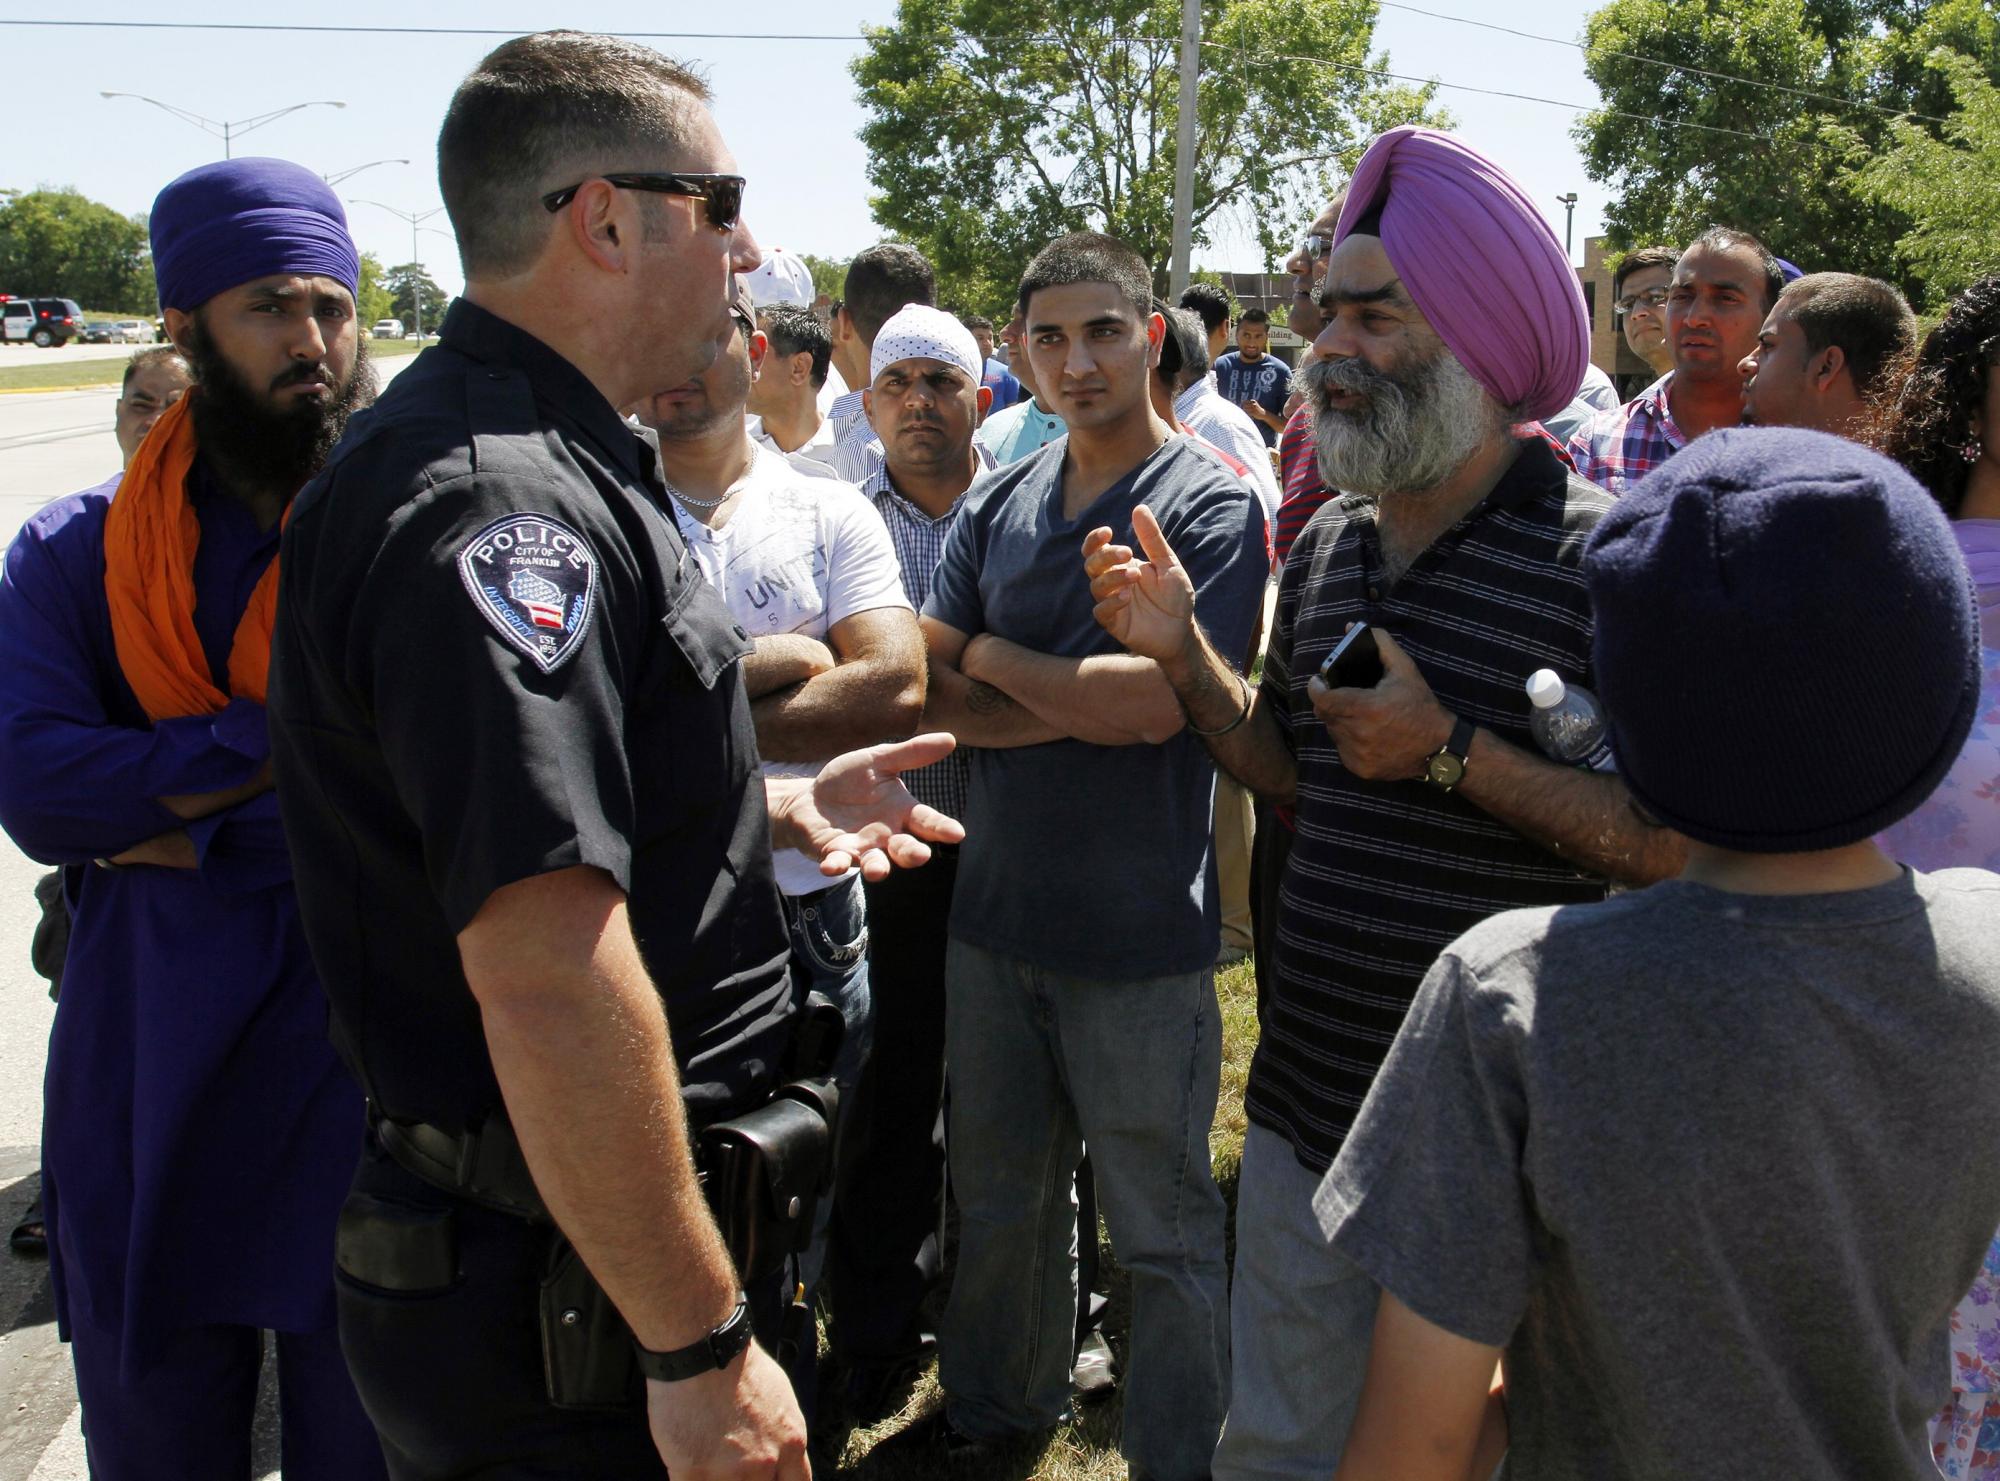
(919, 332)
(780, 278)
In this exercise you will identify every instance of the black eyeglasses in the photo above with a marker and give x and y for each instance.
(723, 194)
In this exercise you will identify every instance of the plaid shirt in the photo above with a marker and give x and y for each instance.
(919, 541)
(1615, 449)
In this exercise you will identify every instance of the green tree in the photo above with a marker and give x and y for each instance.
(829, 277)
(403, 283)
(995, 126)
(62, 243)
(1947, 189)
(1687, 145)
(372, 302)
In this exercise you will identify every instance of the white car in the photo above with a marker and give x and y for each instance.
(387, 329)
(133, 331)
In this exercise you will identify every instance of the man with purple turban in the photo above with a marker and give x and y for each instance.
(1422, 804)
(199, 1132)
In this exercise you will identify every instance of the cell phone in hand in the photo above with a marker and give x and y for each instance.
(1355, 662)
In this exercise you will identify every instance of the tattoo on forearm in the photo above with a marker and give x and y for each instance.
(983, 699)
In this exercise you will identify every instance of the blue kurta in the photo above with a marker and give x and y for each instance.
(199, 1133)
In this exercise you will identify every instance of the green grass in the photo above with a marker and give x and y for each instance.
(25, 368)
(1088, 1449)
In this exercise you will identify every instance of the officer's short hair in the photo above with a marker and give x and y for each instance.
(790, 329)
(1870, 320)
(1090, 257)
(540, 113)
(1255, 316)
(887, 277)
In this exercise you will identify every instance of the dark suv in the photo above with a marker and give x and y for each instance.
(44, 322)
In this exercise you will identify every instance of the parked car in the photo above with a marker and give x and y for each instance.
(100, 332)
(387, 329)
(46, 323)
(134, 331)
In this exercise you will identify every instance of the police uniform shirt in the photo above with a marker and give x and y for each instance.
(495, 659)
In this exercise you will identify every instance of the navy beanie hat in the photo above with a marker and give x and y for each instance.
(1786, 641)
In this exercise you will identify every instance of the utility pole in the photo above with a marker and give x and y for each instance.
(1569, 219)
(416, 283)
(1184, 149)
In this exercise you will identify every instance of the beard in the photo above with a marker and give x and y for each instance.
(253, 443)
(1418, 425)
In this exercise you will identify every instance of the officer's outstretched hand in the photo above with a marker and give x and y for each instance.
(740, 1423)
(857, 814)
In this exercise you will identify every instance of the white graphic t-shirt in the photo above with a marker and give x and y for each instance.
(797, 555)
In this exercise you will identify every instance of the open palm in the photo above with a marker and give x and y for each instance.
(857, 814)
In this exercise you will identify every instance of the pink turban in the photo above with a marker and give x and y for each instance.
(1480, 264)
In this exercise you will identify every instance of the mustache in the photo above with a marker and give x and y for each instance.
(315, 374)
(1352, 376)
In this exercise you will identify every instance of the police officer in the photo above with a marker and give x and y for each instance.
(510, 734)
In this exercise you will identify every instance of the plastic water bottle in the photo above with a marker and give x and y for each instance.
(1567, 722)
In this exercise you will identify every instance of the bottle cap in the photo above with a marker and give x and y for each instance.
(1545, 689)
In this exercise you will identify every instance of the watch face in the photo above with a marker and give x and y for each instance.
(1445, 770)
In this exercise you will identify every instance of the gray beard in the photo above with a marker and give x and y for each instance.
(1419, 425)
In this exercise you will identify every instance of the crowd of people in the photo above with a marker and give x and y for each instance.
(572, 863)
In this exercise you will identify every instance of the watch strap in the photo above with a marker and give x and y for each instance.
(708, 1354)
(1460, 744)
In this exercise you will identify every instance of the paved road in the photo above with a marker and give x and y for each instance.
(24, 354)
(51, 444)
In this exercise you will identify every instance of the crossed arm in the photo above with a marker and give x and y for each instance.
(991, 692)
(1385, 733)
(812, 700)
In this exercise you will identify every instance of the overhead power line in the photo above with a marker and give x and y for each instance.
(294, 28)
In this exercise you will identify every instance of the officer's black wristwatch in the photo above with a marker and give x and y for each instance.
(717, 1350)
(1446, 769)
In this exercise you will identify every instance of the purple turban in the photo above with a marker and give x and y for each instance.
(223, 224)
(1480, 264)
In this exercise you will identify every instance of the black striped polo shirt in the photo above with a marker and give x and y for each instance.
(1383, 875)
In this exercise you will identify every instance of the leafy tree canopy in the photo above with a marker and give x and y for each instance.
(995, 127)
(1685, 146)
(372, 302)
(60, 243)
(403, 283)
(1947, 189)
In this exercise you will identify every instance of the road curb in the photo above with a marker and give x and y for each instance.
(44, 390)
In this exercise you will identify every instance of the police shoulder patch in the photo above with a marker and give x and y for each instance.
(535, 579)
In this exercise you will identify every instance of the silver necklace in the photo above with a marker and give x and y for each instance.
(693, 503)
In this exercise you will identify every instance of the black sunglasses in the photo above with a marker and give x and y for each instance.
(723, 194)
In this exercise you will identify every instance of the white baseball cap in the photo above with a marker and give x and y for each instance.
(780, 278)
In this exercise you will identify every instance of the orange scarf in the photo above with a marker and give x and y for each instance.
(150, 535)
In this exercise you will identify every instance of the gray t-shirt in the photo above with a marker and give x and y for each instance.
(1699, 1162)
(1084, 859)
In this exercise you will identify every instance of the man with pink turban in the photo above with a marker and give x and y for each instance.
(1423, 805)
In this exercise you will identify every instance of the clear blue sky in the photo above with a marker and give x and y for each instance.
(786, 107)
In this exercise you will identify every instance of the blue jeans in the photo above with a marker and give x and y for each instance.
(1041, 1062)
(1303, 1318)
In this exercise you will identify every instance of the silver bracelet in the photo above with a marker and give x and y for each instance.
(1241, 715)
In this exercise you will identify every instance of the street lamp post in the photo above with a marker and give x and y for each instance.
(415, 218)
(1569, 218)
(227, 131)
(339, 175)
